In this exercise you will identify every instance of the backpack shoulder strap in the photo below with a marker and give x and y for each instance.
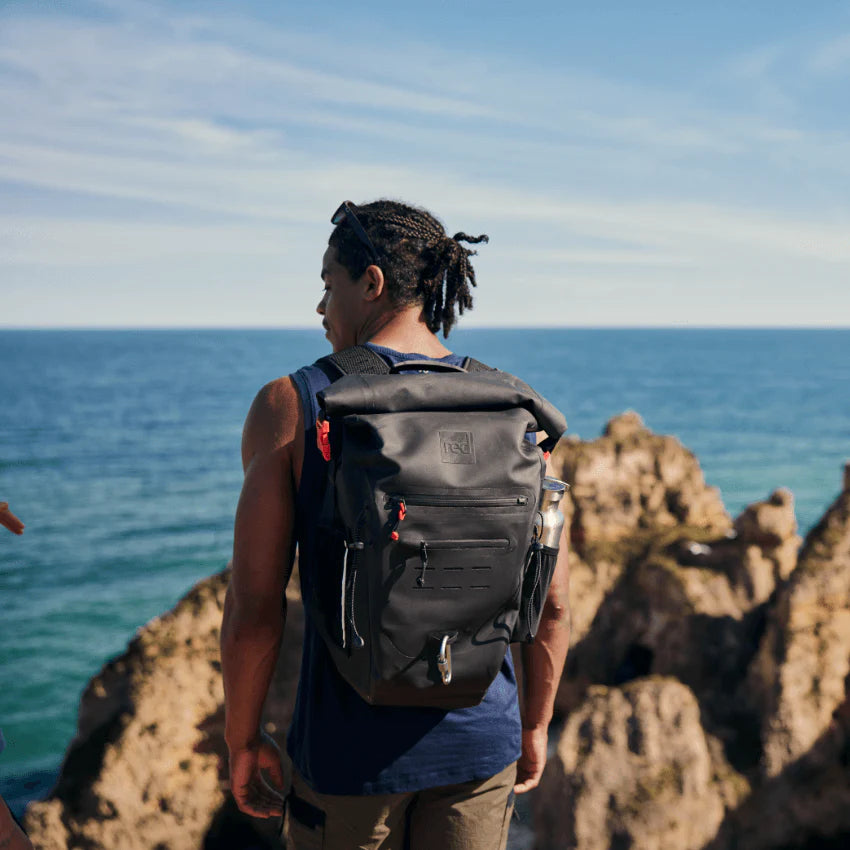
(473, 365)
(356, 360)
(362, 360)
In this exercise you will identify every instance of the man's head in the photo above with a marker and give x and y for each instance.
(405, 252)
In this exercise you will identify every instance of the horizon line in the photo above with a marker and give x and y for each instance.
(318, 330)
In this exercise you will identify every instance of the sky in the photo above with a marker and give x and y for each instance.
(634, 164)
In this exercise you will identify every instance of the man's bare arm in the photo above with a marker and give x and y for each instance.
(542, 664)
(255, 605)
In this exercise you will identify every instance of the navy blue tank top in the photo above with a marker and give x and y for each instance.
(338, 742)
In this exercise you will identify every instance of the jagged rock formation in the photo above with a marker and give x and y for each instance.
(147, 769)
(131, 770)
(626, 485)
(806, 806)
(800, 676)
(763, 642)
(662, 580)
(631, 479)
(770, 527)
(705, 696)
(799, 685)
(635, 769)
(693, 610)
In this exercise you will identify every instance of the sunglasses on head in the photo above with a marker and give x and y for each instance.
(345, 211)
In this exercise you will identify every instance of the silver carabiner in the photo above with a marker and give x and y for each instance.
(444, 660)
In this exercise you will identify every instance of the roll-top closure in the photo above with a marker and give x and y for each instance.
(472, 391)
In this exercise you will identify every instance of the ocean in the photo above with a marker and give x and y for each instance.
(120, 450)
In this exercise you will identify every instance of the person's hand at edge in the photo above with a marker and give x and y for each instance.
(12, 837)
(253, 793)
(533, 759)
(9, 520)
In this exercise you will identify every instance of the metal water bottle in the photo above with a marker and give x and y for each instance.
(550, 521)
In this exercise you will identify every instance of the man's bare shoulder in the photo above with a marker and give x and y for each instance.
(274, 421)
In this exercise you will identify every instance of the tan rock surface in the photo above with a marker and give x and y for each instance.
(627, 487)
(806, 806)
(634, 769)
(684, 607)
(631, 479)
(146, 769)
(799, 678)
(772, 527)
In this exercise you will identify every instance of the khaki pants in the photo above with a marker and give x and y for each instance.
(468, 816)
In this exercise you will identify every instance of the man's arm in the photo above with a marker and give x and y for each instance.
(255, 605)
(542, 665)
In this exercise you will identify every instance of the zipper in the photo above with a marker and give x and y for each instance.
(489, 543)
(437, 501)
(397, 506)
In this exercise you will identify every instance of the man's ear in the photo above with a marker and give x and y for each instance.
(373, 277)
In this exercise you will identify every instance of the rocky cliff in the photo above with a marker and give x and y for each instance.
(147, 768)
(705, 695)
(704, 702)
(635, 768)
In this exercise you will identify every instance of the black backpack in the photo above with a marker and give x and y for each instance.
(426, 564)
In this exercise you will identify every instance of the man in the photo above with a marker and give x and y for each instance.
(368, 776)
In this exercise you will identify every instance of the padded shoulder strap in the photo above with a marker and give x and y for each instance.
(356, 360)
(362, 360)
(473, 365)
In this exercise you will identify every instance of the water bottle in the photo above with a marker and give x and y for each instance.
(541, 560)
(550, 521)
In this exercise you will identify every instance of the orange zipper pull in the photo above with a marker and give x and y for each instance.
(400, 515)
(323, 438)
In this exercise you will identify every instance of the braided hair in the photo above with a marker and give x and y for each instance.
(420, 262)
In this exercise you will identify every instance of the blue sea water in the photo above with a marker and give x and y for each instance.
(120, 452)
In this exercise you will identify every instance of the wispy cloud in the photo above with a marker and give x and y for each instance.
(67, 243)
(248, 133)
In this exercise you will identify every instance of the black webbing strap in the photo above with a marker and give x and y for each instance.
(362, 360)
(473, 365)
(357, 360)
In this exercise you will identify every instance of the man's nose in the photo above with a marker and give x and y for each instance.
(320, 307)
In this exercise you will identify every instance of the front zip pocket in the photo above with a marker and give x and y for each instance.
(480, 513)
(497, 543)
(455, 501)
